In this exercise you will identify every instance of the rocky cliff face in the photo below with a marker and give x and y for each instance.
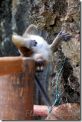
(50, 16)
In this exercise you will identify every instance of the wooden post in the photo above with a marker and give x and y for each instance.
(16, 89)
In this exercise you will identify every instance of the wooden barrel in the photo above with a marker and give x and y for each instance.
(16, 88)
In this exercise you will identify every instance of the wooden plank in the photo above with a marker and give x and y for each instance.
(16, 89)
(10, 65)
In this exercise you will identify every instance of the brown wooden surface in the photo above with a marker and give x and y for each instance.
(11, 65)
(16, 90)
